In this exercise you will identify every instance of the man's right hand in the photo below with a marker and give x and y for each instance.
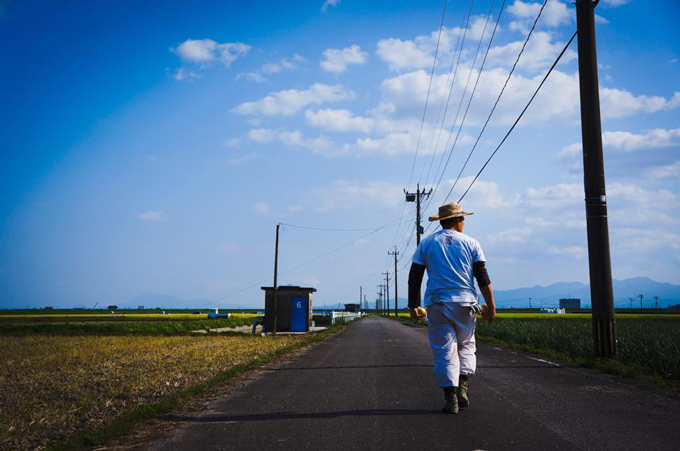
(489, 314)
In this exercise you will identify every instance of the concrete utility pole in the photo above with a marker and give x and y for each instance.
(396, 293)
(276, 273)
(361, 296)
(380, 297)
(601, 290)
(417, 197)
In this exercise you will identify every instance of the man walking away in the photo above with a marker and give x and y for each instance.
(452, 260)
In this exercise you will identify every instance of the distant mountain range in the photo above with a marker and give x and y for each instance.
(667, 293)
(547, 296)
(550, 295)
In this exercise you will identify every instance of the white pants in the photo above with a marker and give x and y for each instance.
(452, 338)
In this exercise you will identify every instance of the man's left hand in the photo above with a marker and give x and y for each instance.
(418, 313)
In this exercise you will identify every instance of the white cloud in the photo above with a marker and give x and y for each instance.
(153, 215)
(338, 120)
(620, 103)
(483, 194)
(555, 13)
(262, 135)
(345, 195)
(401, 55)
(514, 235)
(328, 3)
(233, 143)
(261, 207)
(557, 100)
(629, 142)
(614, 3)
(419, 53)
(671, 171)
(207, 51)
(337, 60)
(555, 197)
(251, 76)
(271, 68)
(540, 52)
(295, 208)
(577, 252)
(185, 74)
(291, 139)
(291, 101)
(230, 248)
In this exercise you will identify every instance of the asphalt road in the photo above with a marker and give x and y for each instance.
(371, 387)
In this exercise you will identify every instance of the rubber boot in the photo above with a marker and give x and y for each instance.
(451, 400)
(462, 393)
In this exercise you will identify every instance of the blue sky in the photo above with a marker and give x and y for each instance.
(149, 148)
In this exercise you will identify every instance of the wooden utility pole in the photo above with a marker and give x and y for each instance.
(396, 293)
(276, 273)
(417, 197)
(387, 293)
(601, 290)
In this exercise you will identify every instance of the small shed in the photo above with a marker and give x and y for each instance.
(293, 308)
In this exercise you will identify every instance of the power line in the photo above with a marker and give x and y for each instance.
(389, 224)
(340, 230)
(507, 80)
(463, 31)
(427, 98)
(467, 108)
(519, 117)
(434, 63)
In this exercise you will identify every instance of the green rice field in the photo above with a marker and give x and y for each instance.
(647, 342)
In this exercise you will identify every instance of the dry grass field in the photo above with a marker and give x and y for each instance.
(54, 386)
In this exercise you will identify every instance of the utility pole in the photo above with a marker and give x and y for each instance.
(276, 273)
(380, 297)
(630, 301)
(656, 302)
(601, 291)
(529, 303)
(361, 296)
(641, 298)
(396, 293)
(417, 197)
(387, 292)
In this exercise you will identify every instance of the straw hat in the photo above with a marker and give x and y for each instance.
(452, 210)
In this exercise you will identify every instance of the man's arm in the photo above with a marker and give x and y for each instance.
(482, 276)
(415, 280)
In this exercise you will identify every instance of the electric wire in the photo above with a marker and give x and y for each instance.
(493, 109)
(519, 117)
(288, 270)
(427, 98)
(449, 83)
(434, 63)
(467, 108)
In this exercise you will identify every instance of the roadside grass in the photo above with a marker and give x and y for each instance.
(68, 393)
(116, 325)
(648, 344)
